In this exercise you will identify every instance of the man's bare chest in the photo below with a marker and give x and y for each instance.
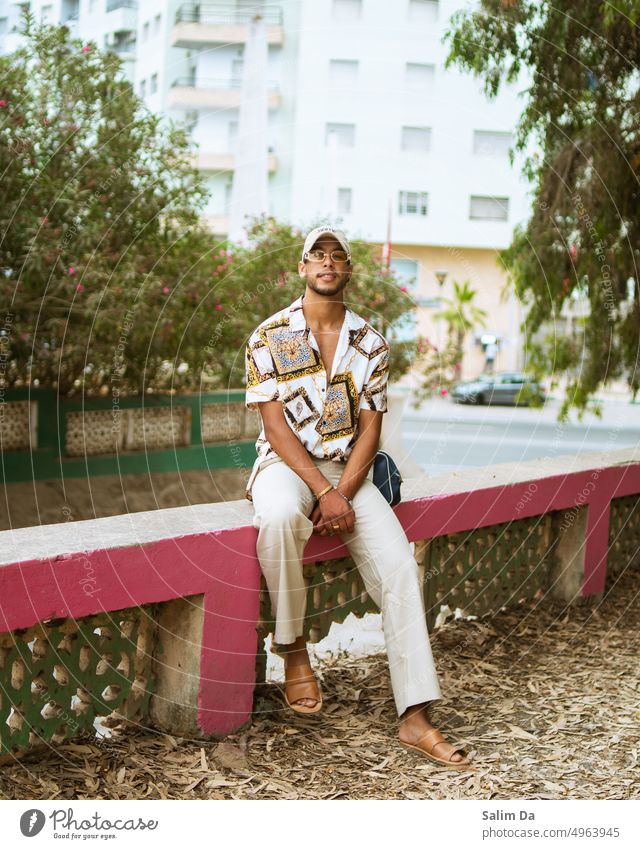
(327, 347)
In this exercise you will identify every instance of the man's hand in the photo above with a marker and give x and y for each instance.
(333, 515)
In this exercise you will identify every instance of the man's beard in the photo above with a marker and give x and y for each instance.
(321, 287)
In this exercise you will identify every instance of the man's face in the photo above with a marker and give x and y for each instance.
(326, 277)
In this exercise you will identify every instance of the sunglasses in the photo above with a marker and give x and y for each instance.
(318, 255)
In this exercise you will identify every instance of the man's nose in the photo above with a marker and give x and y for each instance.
(327, 259)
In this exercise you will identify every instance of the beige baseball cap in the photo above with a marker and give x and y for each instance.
(318, 233)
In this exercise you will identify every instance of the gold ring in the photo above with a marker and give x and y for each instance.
(336, 527)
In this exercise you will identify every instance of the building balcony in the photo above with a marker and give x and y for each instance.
(125, 50)
(122, 15)
(204, 24)
(225, 162)
(211, 94)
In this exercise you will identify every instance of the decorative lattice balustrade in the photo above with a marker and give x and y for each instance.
(45, 437)
(18, 425)
(482, 570)
(624, 535)
(58, 678)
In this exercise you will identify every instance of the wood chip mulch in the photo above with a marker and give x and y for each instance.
(546, 697)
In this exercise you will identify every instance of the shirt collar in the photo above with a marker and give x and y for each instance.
(297, 320)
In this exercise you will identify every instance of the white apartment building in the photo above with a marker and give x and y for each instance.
(366, 126)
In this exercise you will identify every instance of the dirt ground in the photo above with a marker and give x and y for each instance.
(546, 698)
(49, 502)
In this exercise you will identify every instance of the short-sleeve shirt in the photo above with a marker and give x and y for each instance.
(283, 363)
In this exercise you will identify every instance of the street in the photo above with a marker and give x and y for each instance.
(442, 437)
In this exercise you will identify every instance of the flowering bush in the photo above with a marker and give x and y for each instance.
(100, 220)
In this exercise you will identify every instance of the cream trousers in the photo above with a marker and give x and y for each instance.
(381, 552)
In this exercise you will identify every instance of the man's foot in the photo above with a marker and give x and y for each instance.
(301, 687)
(417, 733)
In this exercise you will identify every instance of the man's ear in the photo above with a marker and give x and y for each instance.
(301, 269)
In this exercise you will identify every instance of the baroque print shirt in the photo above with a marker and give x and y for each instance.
(283, 363)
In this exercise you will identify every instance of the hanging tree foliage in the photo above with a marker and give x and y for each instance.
(102, 254)
(579, 134)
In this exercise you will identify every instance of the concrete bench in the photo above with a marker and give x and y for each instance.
(163, 608)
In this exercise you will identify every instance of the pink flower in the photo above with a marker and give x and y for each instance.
(79, 288)
(45, 220)
(223, 252)
(3, 103)
(165, 290)
(404, 289)
(218, 306)
(72, 269)
(86, 48)
(444, 392)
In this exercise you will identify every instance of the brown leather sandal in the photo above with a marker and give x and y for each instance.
(303, 686)
(428, 752)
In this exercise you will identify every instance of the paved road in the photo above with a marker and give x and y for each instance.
(443, 436)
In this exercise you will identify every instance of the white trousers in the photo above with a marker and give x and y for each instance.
(381, 552)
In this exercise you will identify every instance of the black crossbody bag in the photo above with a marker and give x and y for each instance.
(387, 477)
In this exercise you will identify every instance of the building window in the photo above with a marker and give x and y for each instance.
(46, 14)
(423, 10)
(489, 143)
(347, 10)
(156, 24)
(143, 88)
(153, 84)
(413, 203)
(4, 26)
(343, 72)
(488, 208)
(419, 76)
(145, 31)
(344, 201)
(344, 134)
(416, 138)
(406, 273)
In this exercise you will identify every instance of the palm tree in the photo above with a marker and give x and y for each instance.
(461, 315)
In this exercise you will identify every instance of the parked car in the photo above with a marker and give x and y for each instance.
(505, 387)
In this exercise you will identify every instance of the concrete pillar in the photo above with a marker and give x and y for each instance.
(174, 703)
(567, 576)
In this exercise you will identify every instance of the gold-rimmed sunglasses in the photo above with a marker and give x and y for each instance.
(317, 255)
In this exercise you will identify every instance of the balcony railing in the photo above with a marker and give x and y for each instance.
(124, 49)
(112, 5)
(226, 13)
(213, 84)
